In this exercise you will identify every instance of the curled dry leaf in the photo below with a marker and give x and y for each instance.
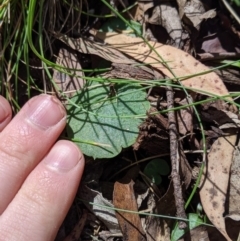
(130, 223)
(101, 207)
(89, 47)
(195, 11)
(215, 180)
(181, 6)
(179, 62)
(161, 14)
(66, 83)
(143, 7)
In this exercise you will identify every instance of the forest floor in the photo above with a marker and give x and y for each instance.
(151, 88)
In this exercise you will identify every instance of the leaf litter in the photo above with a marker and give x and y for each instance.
(180, 64)
(119, 116)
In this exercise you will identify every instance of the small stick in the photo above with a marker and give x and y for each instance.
(173, 136)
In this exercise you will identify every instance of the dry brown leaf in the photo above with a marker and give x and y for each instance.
(234, 195)
(161, 15)
(181, 6)
(68, 84)
(180, 62)
(216, 177)
(143, 7)
(130, 223)
(89, 47)
(195, 11)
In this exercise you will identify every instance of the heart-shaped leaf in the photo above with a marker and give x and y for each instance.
(102, 123)
(155, 168)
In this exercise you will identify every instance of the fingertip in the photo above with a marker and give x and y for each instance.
(46, 195)
(44, 111)
(5, 113)
(25, 141)
(64, 156)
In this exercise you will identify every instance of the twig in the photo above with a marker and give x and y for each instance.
(218, 56)
(173, 136)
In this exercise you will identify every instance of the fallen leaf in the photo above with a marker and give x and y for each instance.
(219, 43)
(181, 6)
(106, 214)
(106, 52)
(124, 198)
(234, 195)
(215, 180)
(141, 15)
(161, 14)
(195, 11)
(158, 229)
(89, 47)
(66, 83)
(181, 63)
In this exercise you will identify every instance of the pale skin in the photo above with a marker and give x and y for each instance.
(39, 177)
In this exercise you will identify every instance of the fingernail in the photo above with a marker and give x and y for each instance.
(3, 112)
(45, 111)
(63, 157)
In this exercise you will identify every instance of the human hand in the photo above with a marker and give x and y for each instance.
(38, 179)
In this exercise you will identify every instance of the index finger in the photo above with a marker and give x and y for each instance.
(26, 140)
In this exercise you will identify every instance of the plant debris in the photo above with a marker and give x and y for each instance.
(147, 84)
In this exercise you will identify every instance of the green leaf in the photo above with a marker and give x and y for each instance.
(103, 125)
(232, 63)
(237, 2)
(155, 168)
(194, 221)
